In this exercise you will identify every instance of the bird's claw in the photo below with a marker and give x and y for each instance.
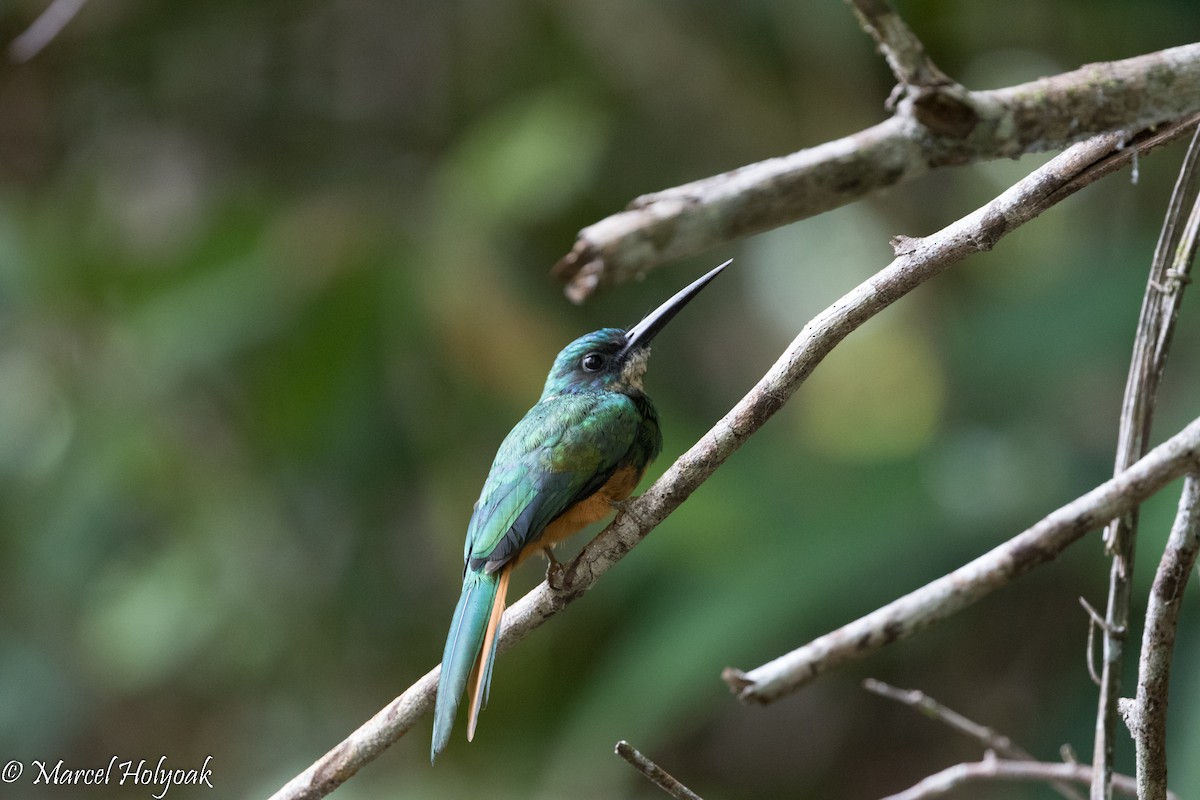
(555, 572)
(627, 507)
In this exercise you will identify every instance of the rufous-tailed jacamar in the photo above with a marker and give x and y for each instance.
(580, 450)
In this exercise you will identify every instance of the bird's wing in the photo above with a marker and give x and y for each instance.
(564, 449)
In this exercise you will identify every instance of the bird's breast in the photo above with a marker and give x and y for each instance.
(594, 507)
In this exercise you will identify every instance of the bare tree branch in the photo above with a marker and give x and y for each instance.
(953, 592)
(904, 52)
(654, 773)
(941, 127)
(997, 769)
(1158, 643)
(365, 744)
(1152, 340)
(919, 260)
(990, 739)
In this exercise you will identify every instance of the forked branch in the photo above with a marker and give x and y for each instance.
(1161, 301)
(939, 125)
(903, 51)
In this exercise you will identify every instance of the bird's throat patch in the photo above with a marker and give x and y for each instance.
(634, 369)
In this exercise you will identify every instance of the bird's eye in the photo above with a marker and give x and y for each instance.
(592, 362)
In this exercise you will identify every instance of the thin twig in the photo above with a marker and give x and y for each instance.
(920, 261)
(916, 699)
(654, 773)
(903, 51)
(1097, 618)
(951, 593)
(987, 737)
(1002, 770)
(1094, 621)
(940, 127)
(1152, 339)
(1158, 643)
(43, 30)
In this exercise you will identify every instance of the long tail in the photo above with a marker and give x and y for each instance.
(470, 650)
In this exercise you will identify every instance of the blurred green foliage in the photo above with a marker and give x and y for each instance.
(273, 287)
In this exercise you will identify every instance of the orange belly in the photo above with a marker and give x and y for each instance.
(591, 509)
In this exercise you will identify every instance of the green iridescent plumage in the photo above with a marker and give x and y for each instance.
(583, 445)
(584, 427)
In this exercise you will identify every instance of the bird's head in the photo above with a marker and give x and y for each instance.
(613, 359)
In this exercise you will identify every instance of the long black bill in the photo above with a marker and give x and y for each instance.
(640, 335)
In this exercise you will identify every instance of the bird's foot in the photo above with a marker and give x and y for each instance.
(555, 572)
(626, 506)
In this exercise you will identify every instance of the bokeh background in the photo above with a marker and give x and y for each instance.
(274, 284)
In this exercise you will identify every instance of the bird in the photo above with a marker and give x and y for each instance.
(578, 452)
